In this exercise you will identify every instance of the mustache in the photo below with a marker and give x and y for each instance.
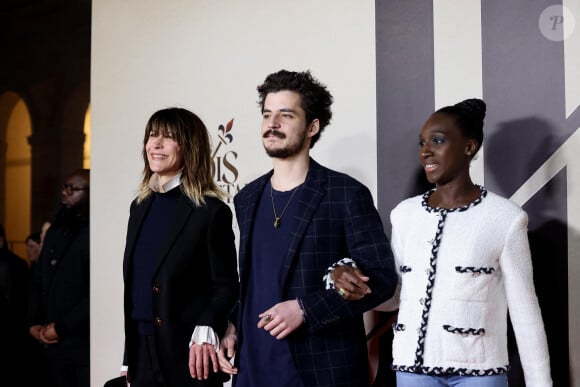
(273, 132)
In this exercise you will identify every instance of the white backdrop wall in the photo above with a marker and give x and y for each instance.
(209, 56)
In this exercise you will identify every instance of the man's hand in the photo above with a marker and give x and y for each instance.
(350, 283)
(228, 350)
(35, 332)
(281, 319)
(200, 356)
(48, 334)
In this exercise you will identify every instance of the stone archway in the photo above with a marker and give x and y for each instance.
(15, 170)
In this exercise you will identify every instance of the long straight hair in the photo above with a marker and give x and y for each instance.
(191, 134)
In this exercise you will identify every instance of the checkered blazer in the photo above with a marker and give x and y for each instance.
(336, 218)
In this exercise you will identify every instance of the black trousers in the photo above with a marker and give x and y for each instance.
(147, 372)
(63, 373)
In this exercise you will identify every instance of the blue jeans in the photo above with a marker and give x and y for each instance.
(405, 379)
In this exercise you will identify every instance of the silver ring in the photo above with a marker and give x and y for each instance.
(267, 317)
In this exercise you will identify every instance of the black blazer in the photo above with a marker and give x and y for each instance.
(336, 218)
(195, 282)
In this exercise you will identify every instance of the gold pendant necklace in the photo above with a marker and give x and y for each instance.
(277, 218)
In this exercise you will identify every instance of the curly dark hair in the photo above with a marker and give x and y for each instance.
(469, 115)
(315, 99)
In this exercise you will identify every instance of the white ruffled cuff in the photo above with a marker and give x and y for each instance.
(205, 334)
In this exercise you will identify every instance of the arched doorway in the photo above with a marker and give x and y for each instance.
(16, 156)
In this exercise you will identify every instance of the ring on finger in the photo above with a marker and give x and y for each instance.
(267, 317)
(341, 292)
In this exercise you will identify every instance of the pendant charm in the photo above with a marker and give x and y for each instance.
(276, 222)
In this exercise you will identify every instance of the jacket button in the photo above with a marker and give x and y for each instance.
(53, 262)
(156, 289)
(158, 321)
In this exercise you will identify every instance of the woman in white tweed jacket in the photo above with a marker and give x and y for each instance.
(464, 260)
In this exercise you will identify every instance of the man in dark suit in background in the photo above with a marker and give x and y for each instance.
(59, 297)
(295, 222)
(13, 288)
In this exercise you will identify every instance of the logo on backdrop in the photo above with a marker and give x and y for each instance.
(557, 23)
(224, 159)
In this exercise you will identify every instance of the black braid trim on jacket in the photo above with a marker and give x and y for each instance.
(464, 331)
(428, 208)
(398, 327)
(419, 352)
(450, 371)
(473, 270)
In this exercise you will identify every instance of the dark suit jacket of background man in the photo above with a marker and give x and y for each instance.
(181, 287)
(60, 290)
(336, 218)
(13, 304)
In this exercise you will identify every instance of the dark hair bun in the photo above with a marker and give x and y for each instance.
(473, 106)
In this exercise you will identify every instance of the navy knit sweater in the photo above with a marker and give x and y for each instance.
(149, 242)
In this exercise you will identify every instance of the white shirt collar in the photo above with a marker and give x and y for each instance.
(168, 186)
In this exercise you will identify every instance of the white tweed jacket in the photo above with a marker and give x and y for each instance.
(460, 271)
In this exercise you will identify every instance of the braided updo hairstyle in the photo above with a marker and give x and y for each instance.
(469, 115)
